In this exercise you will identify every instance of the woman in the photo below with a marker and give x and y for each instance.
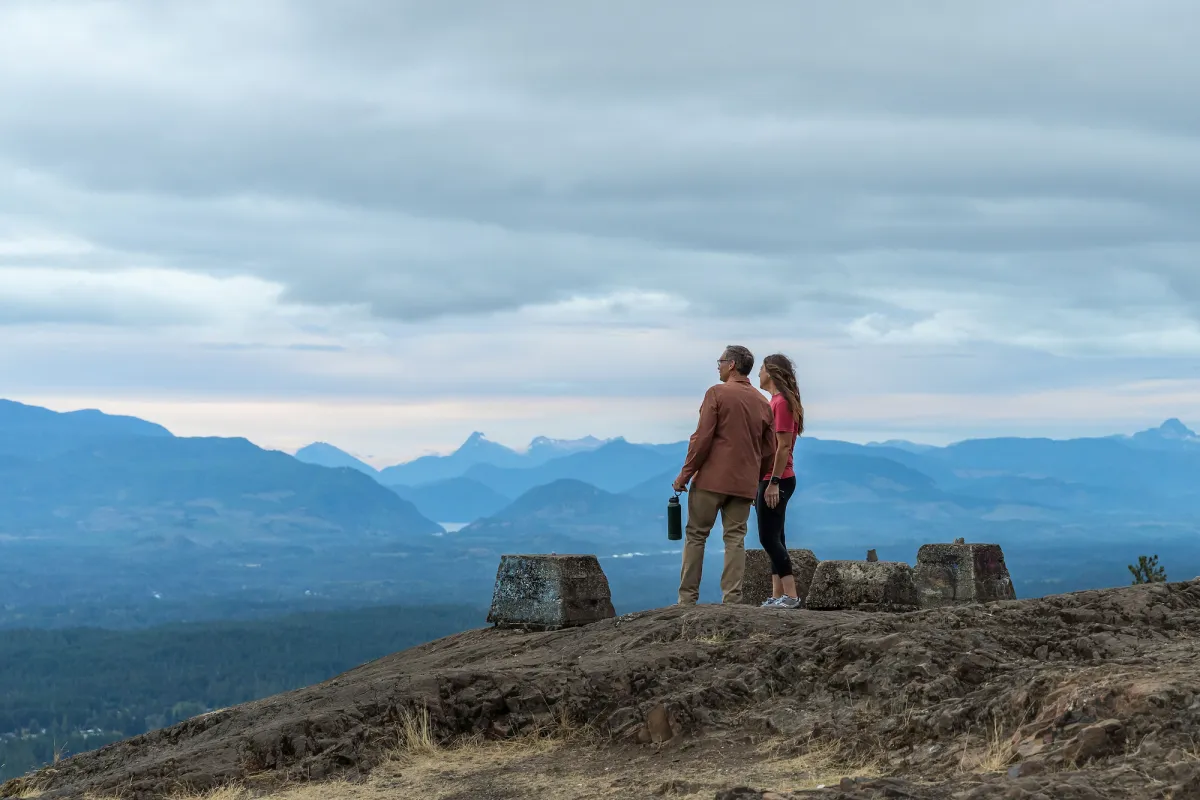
(778, 377)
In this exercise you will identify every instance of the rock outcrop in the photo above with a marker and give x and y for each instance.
(548, 592)
(952, 574)
(862, 586)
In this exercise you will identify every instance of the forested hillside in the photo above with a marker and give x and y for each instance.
(74, 690)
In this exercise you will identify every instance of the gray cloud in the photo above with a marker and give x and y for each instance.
(1011, 163)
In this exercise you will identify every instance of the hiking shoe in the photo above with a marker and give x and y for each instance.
(788, 602)
(771, 602)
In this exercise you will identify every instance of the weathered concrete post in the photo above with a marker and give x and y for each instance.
(756, 585)
(955, 574)
(548, 592)
(862, 586)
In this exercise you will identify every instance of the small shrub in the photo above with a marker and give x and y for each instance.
(1147, 570)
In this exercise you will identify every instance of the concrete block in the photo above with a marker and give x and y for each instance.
(862, 586)
(756, 586)
(548, 592)
(955, 574)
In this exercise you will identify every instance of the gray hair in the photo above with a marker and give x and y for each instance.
(742, 358)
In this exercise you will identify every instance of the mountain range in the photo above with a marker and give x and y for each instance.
(90, 474)
(97, 510)
(1071, 510)
(479, 450)
(30, 432)
(1152, 469)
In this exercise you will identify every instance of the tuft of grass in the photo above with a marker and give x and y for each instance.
(993, 756)
(416, 738)
(416, 734)
(822, 762)
(332, 790)
(418, 751)
(568, 730)
(231, 792)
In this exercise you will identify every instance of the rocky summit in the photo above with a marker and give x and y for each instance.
(1088, 695)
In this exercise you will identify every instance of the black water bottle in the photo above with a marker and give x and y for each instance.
(674, 519)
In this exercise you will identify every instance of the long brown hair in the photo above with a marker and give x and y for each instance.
(783, 375)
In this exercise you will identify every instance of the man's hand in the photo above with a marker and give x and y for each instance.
(680, 484)
(771, 495)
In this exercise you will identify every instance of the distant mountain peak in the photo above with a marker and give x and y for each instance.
(478, 441)
(543, 441)
(1175, 429)
(326, 455)
(548, 447)
(317, 447)
(1172, 433)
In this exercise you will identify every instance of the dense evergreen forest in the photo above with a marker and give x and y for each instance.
(66, 691)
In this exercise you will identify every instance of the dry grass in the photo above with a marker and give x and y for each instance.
(565, 764)
(416, 734)
(567, 760)
(993, 755)
(417, 742)
(720, 637)
(226, 793)
(694, 628)
(334, 790)
(820, 762)
(423, 766)
(30, 789)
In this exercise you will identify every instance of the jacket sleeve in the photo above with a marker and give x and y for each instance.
(701, 442)
(770, 445)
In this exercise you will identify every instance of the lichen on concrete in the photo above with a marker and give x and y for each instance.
(862, 586)
(955, 574)
(548, 592)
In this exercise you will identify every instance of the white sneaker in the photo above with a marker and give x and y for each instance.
(771, 602)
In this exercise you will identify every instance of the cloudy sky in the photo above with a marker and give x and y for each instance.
(387, 224)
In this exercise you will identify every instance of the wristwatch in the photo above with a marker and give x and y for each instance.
(774, 480)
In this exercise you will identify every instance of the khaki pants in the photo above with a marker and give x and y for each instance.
(702, 515)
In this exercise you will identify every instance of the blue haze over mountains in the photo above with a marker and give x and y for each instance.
(113, 521)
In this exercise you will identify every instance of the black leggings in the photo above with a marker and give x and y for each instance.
(770, 526)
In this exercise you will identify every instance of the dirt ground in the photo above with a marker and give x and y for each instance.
(1089, 695)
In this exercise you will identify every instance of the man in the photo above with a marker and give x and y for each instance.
(732, 446)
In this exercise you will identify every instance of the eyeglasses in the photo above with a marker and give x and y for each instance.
(721, 361)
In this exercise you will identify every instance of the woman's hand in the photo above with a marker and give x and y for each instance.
(771, 495)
